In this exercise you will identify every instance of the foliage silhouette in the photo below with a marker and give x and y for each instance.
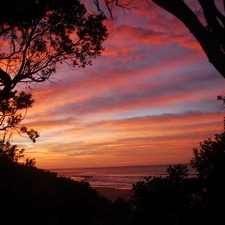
(211, 36)
(177, 173)
(168, 202)
(162, 200)
(34, 196)
(10, 152)
(40, 39)
(12, 112)
(42, 35)
(209, 161)
(36, 37)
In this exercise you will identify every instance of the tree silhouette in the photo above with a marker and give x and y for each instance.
(164, 199)
(211, 36)
(177, 173)
(12, 112)
(36, 36)
(10, 152)
(13, 154)
(209, 161)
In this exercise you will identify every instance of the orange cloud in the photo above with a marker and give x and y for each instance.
(149, 99)
(164, 137)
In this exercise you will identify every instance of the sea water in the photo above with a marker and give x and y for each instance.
(116, 177)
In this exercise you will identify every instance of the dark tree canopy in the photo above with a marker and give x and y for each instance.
(211, 36)
(36, 35)
(177, 173)
(209, 159)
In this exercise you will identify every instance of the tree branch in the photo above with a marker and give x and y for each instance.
(204, 36)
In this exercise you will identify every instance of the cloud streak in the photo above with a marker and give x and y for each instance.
(149, 99)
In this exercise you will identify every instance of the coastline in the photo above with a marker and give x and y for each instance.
(113, 193)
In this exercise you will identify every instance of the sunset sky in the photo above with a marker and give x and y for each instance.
(149, 99)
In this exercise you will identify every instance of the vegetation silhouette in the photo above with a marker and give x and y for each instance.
(12, 112)
(210, 34)
(39, 36)
(35, 196)
(36, 37)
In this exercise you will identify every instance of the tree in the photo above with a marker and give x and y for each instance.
(209, 161)
(211, 36)
(167, 200)
(12, 112)
(11, 153)
(177, 173)
(35, 36)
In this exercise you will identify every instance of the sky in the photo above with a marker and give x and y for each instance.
(149, 99)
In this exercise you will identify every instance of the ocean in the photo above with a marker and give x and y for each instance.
(116, 177)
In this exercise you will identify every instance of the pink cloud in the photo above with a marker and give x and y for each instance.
(192, 45)
(150, 98)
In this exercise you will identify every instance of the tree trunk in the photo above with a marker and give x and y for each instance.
(206, 36)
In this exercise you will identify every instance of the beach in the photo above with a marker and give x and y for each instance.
(114, 193)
